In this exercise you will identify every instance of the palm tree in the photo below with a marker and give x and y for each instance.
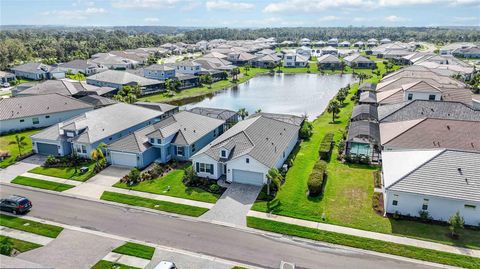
(341, 96)
(258, 110)
(243, 113)
(247, 68)
(334, 108)
(235, 73)
(274, 177)
(20, 142)
(98, 156)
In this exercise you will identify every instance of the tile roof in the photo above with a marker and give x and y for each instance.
(26, 106)
(292, 119)
(97, 100)
(122, 78)
(328, 58)
(65, 87)
(38, 68)
(163, 107)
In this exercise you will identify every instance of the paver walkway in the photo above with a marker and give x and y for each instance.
(54, 179)
(372, 235)
(234, 204)
(25, 236)
(72, 249)
(126, 260)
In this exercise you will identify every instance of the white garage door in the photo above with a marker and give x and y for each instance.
(123, 159)
(247, 177)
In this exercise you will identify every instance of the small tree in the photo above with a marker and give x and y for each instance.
(334, 108)
(134, 176)
(456, 223)
(6, 246)
(20, 142)
(243, 113)
(99, 158)
(235, 73)
(247, 68)
(341, 96)
(274, 177)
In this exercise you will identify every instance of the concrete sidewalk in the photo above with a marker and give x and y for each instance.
(371, 235)
(53, 179)
(25, 236)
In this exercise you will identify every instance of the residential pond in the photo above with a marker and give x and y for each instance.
(297, 94)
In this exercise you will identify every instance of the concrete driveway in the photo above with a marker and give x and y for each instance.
(234, 204)
(72, 249)
(9, 173)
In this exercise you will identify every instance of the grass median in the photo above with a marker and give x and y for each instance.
(136, 250)
(34, 227)
(111, 265)
(20, 245)
(66, 172)
(41, 184)
(365, 243)
(170, 207)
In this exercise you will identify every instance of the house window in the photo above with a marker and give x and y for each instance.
(152, 140)
(425, 204)
(179, 151)
(84, 149)
(47, 117)
(159, 141)
(431, 97)
(395, 200)
(205, 168)
(410, 96)
(22, 120)
(79, 149)
(193, 147)
(247, 160)
(215, 133)
(35, 121)
(224, 153)
(470, 207)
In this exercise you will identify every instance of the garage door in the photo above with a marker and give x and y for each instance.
(247, 177)
(47, 149)
(123, 159)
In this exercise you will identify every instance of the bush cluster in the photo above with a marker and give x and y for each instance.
(317, 178)
(326, 147)
(190, 179)
(66, 161)
(306, 130)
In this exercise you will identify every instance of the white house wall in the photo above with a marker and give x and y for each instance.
(203, 158)
(241, 164)
(438, 208)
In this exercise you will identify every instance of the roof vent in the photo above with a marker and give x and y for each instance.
(460, 171)
(466, 180)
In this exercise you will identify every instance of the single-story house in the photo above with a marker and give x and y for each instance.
(332, 42)
(267, 61)
(329, 62)
(366, 112)
(167, 109)
(229, 116)
(359, 61)
(187, 80)
(294, 60)
(330, 50)
(359, 44)
(246, 152)
(177, 137)
(241, 58)
(345, 44)
(439, 181)
(6, 77)
(27, 112)
(114, 62)
(64, 87)
(87, 131)
(288, 118)
(86, 67)
(363, 139)
(37, 71)
(118, 79)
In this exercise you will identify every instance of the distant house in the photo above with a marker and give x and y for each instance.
(471, 52)
(329, 62)
(363, 139)
(7, 77)
(37, 71)
(330, 50)
(87, 131)
(359, 61)
(440, 182)
(177, 137)
(304, 51)
(114, 62)
(38, 111)
(85, 67)
(159, 71)
(118, 79)
(332, 42)
(288, 118)
(64, 87)
(229, 116)
(385, 41)
(267, 61)
(294, 60)
(167, 109)
(344, 44)
(372, 42)
(359, 44)
(187, 67)
(450, 49)
(246, 152)
(240, 58)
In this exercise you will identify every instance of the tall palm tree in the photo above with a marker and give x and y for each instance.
(98, 156)
(334, 108)
(20, 142)
(235, 73)
(274, 177)
(243, 113)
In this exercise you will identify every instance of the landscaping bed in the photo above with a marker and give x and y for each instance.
(21, 224)
(153, 204)
(42, 184)
(365, 243)
(62, 168)
(136, 250)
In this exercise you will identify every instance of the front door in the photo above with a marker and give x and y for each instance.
(224, 169)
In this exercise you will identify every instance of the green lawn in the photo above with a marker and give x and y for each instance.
(172, 185)
(30, 226)
(13, 149)
(136, 250)
(65, 172)
(153, 204)
(347, 199)
(111, 265)
(42, 184)
(20, 245)
(365, 243)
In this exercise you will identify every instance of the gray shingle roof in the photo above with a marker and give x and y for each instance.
(64, 87)
(292, 119)
(26, 106)
(159, 67)
(156, 106)
(79, 64)
(451, 174)
(38, 68)
(97, 100)
(427, 109)
(262, 138)
(328, 58)
(122, 78)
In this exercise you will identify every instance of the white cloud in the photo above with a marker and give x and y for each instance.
(227, 5)
(151, 20)
(78, 14)
(315, 5)
(467, 19)
(328, 18)
(394, 18)
(145, 3)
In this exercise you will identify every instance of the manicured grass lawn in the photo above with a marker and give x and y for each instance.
(136, 250)
(13, 149)
(365, 243)
(153, 204)
(20, 245)
(347, 199)
(111, 265)
(65, 172)
(21, 224)
(42, 184)
(172, 185)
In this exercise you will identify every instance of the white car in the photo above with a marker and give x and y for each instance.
(5, 84)
(166, 265)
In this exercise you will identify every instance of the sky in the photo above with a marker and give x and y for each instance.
(241, 13)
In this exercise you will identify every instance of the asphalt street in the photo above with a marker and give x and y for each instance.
(202, 237)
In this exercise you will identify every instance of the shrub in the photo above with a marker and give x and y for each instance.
(6, 246)
(51, 160)
(326, 147)
(424, 215)
(189, 177)
(214, 188)
(306, 130)
(133, 177)
(316, 178)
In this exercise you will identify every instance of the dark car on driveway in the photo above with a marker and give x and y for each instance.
(15, 204)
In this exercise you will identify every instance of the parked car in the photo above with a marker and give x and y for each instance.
(166, 265)
(15, 204)
(5, 84)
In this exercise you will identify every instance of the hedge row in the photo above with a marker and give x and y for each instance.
(326, 147)
(316, 178)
